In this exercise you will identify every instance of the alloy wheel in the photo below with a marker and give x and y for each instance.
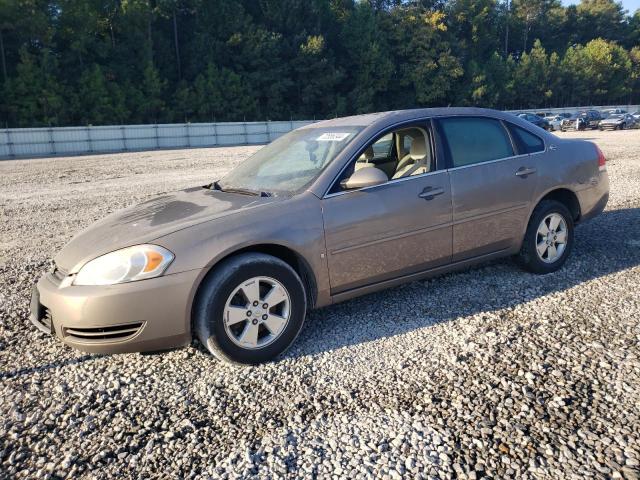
(551, 238)
(257, 312)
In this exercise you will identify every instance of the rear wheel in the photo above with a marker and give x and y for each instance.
(549, 238)
(249, 309)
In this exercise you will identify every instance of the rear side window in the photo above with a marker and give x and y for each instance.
(527, 142)
(475, 140)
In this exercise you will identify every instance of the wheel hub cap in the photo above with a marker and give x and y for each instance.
(551, 238)
(257, 312)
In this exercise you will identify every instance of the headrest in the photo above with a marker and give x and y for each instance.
(368, 153)
(418, 148)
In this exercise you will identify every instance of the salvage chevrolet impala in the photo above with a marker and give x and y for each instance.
(325, 213)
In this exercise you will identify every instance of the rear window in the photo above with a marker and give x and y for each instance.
(527, 142)
(474, 140)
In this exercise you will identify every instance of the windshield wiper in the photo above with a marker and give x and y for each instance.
(242, 191)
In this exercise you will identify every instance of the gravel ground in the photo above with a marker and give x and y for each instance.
(492, 372)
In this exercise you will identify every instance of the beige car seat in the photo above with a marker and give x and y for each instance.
(417, 161)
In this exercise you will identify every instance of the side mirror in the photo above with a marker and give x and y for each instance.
(365, 177)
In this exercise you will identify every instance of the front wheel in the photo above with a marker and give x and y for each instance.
(249, 309)
(549, 238)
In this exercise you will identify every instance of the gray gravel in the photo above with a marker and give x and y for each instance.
(491, 372)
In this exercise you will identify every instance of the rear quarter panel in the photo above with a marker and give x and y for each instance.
(572, 165)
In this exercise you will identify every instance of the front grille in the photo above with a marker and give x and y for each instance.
(104, 334)
(46, 318)
(59, 273)
(40, 315)
(43, 319)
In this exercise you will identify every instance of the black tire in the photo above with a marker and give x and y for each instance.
(528, 256)
(219, 284)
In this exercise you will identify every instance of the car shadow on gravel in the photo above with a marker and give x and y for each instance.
(48, 366)
(608, 244)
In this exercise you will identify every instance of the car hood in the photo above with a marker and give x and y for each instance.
(612, 120)
(150, 220)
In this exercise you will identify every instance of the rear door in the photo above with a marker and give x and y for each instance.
(492, 185)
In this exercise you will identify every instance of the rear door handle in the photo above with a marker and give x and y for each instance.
(429, 192)
(524, 172)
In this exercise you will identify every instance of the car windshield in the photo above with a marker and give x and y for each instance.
(291, 162)
(616, 115)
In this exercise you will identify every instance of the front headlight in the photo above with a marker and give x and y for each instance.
(126, 265)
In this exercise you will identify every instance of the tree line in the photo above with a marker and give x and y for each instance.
(79, 62)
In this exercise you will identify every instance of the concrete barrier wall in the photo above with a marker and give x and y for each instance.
(38, 142)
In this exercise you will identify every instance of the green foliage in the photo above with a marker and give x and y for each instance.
(607, 68)
(76, 62)
(98, 102)
(33, 96)
(535, 75)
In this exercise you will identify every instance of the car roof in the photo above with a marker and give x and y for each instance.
(396, 116)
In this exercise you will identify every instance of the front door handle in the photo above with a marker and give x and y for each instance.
(429, 192)
(524, 172)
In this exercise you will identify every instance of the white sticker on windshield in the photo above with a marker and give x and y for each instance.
(332, 137)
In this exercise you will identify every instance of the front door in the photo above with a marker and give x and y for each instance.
(397, 228)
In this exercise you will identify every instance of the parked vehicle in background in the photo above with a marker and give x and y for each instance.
(555, 121)
(536, 120)
(618, 121)
(612, 111)
(586, 120)
(636, 115)
(327, 212)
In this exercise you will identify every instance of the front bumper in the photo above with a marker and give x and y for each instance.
(147, 315)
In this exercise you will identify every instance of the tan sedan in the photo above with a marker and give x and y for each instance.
(325, 213)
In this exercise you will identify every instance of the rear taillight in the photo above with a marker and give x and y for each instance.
(602, 161)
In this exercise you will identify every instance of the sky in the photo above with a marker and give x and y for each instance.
(631, 5)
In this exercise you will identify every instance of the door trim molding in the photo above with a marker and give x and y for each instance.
(490, 214)
(392, 237)
(342, 295)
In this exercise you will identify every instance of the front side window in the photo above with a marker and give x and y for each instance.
(474, 140)
(291, 162)
(404, 152)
